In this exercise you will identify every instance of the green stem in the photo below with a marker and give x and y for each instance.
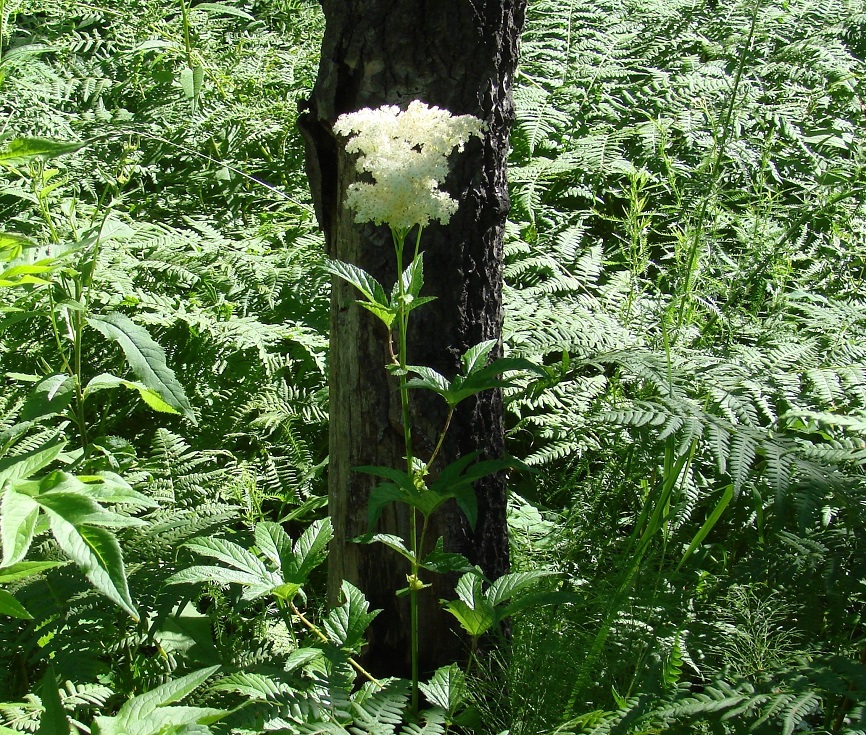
(403, 319)
(322, 637)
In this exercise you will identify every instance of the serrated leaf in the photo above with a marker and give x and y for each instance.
(26, 465)
(273, 542)
(25, 569)
(134, 716)
(145, 357)
(310, 550)
(51, 396)
(18, 514)
(370, 288)
(150, 396)
(96, 551)
(380, 497)
(347, 623)
(509, 585)
(475, 621)
(22, 151)
(389, 540)
(476, 356)
(446, 689)
(11, 607)
(443, 562)
(233, 555)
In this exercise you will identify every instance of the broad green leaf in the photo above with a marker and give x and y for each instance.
(446, 689)
(25, 569)
(53, 720)
(133, 716)
(475, 621)
(476, 356)
(18, 514)
(51, 396)
(60, 496)
(311, 549)
(11, 607)
(443, 562)
(389, 540)
(254, 585)
(223, 9)
(145, 357)
(256, 686)
(273, 542)
(360, 279)
(26, 465)
(510, 584)
(413, 276)
(429, 379)
(380, 497)
(233, 555)
(150, 396)
(22, 151)
(347, 623)
(96, 551)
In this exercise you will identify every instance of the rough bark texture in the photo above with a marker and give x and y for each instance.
(459, 55)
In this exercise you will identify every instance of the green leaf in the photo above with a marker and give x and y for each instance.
(235, 556)
(25, 569)
(150, 396)
(254, 585)
(389, 540)
(443, 562)
(96, 551)
(26, 465)
(311, 549)
(18, 514)
(376, 299)
(51, 396)
(347, 623)
(472, 610)
(11, 607)
(274, 543)
(223, 9)
(141, 715)
(380, 497)
(145, 357)
(22, 151)
(476, 356)
(509, 585)
(53, 720)
(446, 689)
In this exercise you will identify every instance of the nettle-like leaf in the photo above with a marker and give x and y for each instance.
(290, 565)
(77, 521)
(375, 298)
(148, 713)
(346, 624)
(479, 611)
(446, 689)
(146, 359)
(476, 375)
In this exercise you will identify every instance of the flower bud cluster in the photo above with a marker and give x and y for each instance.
(406, 153)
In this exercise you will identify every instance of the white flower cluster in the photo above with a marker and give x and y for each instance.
(406, 153)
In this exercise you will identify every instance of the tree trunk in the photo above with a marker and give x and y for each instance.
(459, 55)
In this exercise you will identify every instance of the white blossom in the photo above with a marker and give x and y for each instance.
(406, 154)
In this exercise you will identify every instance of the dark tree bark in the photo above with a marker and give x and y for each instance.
(459, 55)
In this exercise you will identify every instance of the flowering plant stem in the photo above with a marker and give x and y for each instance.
(399, 238)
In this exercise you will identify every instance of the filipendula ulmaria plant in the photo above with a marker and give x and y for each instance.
(406, 155)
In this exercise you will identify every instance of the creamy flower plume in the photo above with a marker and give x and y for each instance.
(406, 153)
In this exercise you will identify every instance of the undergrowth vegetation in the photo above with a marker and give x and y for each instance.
(685, 260)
